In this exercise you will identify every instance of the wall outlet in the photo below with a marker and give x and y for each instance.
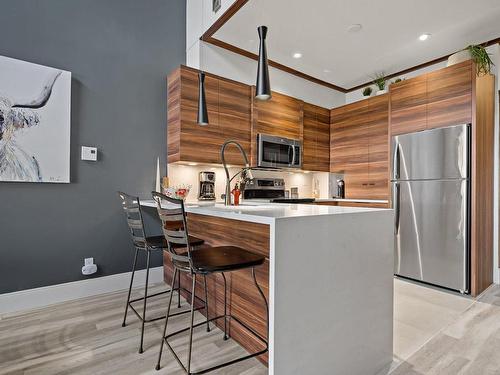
(89, 268)
(89, 153)
(88, 261)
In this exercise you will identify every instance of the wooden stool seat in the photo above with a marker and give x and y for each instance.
(224, 259)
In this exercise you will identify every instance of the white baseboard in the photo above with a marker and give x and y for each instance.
(49, 295)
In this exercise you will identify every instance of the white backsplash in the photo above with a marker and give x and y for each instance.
(188, 174)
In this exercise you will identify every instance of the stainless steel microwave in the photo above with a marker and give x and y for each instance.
(278, 152)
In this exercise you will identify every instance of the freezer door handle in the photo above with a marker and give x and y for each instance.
(396, 200)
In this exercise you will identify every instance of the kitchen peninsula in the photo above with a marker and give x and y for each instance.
(327, 277)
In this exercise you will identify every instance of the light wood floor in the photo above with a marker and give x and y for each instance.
(469, 345)
(86, 337)
(435, 332)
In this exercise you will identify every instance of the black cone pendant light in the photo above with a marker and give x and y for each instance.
(202, 101)
(263, 87)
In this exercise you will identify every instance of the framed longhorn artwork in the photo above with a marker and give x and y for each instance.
(35, 122)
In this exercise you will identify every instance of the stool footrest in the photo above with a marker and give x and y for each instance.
(224, 364)
(139, 316)
(150, 296)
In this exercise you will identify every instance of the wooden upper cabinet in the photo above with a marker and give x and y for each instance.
(409, 105)
(449, 95)
(316, 138)
(348, 146)
(359, 147)
(280, 116)
(433, 100)
(234, 118)
(228, 104)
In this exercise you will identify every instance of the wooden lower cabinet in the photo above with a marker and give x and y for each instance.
(244, 300)
(482, 173)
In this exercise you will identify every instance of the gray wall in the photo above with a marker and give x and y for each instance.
(119, 52)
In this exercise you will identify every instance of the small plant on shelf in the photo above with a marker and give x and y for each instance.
(367, 91)
(481, 58)
(380, 81)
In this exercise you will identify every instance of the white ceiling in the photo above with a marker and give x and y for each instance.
(388, 40)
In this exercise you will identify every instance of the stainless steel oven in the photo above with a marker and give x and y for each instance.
(278, 152)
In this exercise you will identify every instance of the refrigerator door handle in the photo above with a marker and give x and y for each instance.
(395, 163)
(396, 200)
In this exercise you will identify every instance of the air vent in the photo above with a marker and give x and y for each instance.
(216, 5)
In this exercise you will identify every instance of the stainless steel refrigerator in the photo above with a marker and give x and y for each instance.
(431, 199)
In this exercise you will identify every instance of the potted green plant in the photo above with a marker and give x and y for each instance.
(478, 54)
(380, 81)
(397, 80)
(367, 91)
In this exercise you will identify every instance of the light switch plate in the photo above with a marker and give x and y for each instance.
(89, 153)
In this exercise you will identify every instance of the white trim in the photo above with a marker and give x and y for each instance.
(49, 295)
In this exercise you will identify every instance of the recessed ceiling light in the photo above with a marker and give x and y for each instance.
(326, 71)
(297, 55)
(424, 36)
(354, 28)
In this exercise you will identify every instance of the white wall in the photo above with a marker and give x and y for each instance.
(231, 65)
(227, 64)
(199, 17)
(354, 96)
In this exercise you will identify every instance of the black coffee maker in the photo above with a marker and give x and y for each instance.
(206, 192)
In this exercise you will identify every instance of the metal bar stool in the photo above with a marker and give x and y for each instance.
(132, 209)
(206, 261)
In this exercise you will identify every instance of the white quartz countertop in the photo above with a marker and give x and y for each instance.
(265, 213)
